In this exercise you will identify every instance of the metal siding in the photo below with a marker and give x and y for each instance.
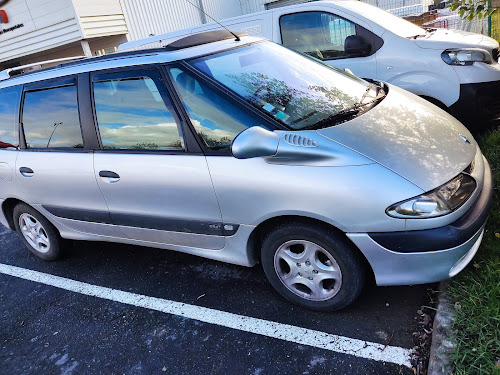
(284, 3)
(221, 9)
(146, 17)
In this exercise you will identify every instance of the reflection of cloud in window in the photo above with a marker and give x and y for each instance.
(52, 112)
(131, 114)
(128, 136)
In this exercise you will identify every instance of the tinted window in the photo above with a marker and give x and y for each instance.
(133, 114)
(50, 118)
(215, 119)
(321, 35)
(9, 105)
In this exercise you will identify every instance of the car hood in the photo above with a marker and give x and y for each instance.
(442, 39)
(411, 137)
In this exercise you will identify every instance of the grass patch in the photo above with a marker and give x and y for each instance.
(477, 289)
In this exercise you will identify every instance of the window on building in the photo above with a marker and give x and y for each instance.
(9, 106)
(319, 34)
(50, 118)
(133, 114)
(216, 120)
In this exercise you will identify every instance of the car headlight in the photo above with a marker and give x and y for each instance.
(466, 56)
(438, 202)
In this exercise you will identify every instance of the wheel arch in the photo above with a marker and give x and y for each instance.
(257, 236)
(8, 210)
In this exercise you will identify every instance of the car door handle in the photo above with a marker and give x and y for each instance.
(109, 176)
(26, 172)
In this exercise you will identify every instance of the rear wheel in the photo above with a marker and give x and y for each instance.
(313, 267)
(37, 233)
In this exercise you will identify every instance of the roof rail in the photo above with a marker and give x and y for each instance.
(6, 73)
(182, 39)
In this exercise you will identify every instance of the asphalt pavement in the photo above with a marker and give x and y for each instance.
(121, 309)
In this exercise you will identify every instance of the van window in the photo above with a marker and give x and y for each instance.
(9, 111)
(319, 34)
(133, 115)
(50, 118)
(216, 120)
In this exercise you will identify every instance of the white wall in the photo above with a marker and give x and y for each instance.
(100, 17)
(47, 23)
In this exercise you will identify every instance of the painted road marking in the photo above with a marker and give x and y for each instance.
(286, 332)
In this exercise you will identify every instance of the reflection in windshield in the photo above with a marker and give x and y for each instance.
(293, 89)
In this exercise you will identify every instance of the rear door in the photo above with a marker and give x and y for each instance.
(54, 166)
(157, 188)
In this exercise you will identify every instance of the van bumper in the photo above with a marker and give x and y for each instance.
(478, 105)
(426, 256)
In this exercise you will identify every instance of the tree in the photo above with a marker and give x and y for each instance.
(470, 9)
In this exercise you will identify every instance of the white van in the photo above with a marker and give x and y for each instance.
(455, 70)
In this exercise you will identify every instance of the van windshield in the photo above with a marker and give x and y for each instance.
(295, 90)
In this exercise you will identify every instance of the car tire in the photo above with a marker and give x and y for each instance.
(36, 232)
(313, 266)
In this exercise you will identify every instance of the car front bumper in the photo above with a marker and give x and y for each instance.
(478, 105)
(419, 257)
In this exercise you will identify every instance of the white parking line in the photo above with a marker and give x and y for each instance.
(286, 332)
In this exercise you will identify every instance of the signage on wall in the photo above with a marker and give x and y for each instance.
(4, 18)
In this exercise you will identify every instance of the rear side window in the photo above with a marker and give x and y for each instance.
(319, 34)
(50, 118)
(134, 113)
(9, 107)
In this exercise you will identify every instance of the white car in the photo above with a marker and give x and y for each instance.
(458, 71)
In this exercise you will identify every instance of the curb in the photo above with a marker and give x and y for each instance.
(441, 347)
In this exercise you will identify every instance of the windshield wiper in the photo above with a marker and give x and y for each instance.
(350, 112)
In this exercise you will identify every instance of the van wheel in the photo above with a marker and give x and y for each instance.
(313, 267)
(37, 233)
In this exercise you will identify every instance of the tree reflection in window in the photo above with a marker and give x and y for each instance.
(51, 120)
(216, 120)
(291, 88)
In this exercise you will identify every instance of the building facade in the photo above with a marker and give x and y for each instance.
(40, 30)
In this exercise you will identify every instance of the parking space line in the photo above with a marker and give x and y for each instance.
(286, 332)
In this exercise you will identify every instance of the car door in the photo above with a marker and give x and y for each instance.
(54, 165)
(324, 35)
(157, 188)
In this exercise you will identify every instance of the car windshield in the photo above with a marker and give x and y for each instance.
(295, 90)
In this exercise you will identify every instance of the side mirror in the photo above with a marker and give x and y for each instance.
(355, 46)
(254, 142)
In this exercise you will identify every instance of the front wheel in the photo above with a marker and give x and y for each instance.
(37, 233)
(313, 267)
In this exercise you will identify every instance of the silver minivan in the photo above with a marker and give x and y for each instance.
(240, 150)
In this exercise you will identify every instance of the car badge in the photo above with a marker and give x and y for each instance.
(465, 139)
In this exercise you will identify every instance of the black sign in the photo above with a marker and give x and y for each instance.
(11, 28)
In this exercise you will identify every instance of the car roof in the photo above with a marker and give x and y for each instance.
(186, 48)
